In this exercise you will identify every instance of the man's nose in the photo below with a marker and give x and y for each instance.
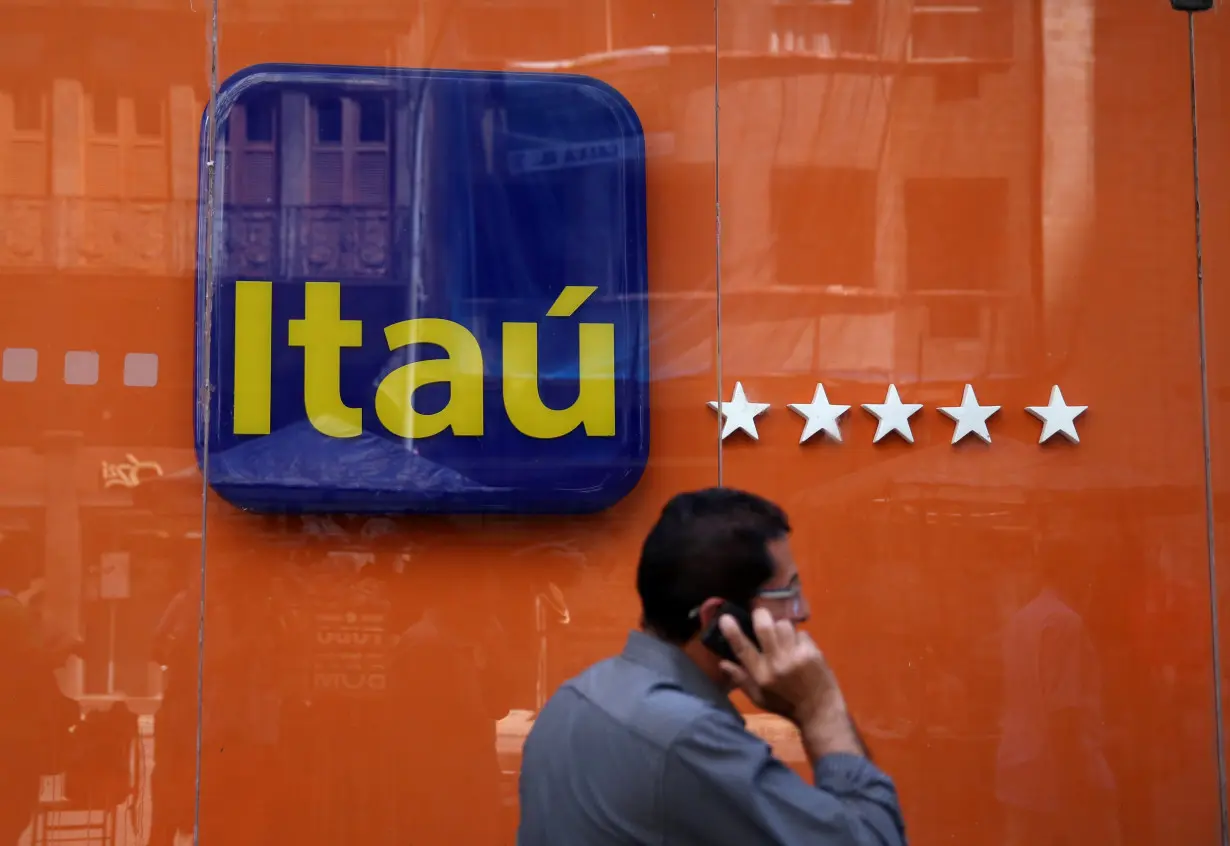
(801, 612)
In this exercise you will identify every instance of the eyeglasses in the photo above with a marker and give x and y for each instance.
(792, 593)
(793, 590)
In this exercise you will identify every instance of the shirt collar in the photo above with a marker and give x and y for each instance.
(669, 660)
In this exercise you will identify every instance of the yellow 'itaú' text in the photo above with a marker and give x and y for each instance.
(322, 333)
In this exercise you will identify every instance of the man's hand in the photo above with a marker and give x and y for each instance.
(789, 676)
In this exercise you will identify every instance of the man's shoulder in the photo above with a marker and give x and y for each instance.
(619, 692)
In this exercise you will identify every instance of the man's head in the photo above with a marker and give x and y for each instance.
(713, 545)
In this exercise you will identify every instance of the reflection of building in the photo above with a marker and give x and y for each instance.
(927, 146)
(69, 513)
(97, 207)
(889, 111)
(887, 114)
(915, 119)
(307, 182)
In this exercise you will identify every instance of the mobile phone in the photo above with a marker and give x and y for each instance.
(716, 642)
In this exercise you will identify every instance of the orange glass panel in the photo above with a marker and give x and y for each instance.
(995, 194)
(371, 680)
(99, 111)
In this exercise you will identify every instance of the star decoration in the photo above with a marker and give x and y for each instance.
(893, 414)
(820, 414)
(1057, 417)
(970, 417)
(739, 413)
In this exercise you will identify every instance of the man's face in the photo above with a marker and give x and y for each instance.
(782, 596)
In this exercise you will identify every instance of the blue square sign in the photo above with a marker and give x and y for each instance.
(421, 291)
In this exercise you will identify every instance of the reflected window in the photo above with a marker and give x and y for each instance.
(351, 153)
(373, 120)
(947, 30)
(825, 27)
(258, 118)
(144, 150)
(28, 150)
(328, 112)
(957, 237)
(126, 150)
(29, 109)
(824, 222)
(251, 147)
(147, 115)
(104, 113)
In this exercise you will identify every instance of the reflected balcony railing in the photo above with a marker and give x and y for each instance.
(97, 235)
(863, 333)
(160, 238)
(322, 242)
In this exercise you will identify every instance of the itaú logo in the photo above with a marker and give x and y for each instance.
(322, 333)
(337, 408)
(397, 315)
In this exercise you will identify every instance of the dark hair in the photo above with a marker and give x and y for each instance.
(707, 543)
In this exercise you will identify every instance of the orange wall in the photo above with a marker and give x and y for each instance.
(1015, 222)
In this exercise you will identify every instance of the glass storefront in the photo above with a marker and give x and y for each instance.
(928, 274)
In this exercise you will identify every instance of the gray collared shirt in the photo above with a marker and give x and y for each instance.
(644, 749)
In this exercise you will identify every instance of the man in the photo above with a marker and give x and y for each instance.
(646, 748)
(1052, 774)
(37, 714)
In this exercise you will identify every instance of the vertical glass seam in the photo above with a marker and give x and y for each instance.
(203, 399)
(717, 229)
(1206, 432)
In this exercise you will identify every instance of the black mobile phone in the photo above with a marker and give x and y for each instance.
(716, 642)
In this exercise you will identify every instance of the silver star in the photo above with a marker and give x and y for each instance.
(970, 417)
(820, 414)
(1057, 417)
(739, 413)
(893, 414)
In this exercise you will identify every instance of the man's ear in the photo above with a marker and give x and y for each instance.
(708, 611)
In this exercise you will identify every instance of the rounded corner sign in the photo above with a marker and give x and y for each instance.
(422, 291)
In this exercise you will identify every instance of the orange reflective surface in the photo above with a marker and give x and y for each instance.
(914, 194)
